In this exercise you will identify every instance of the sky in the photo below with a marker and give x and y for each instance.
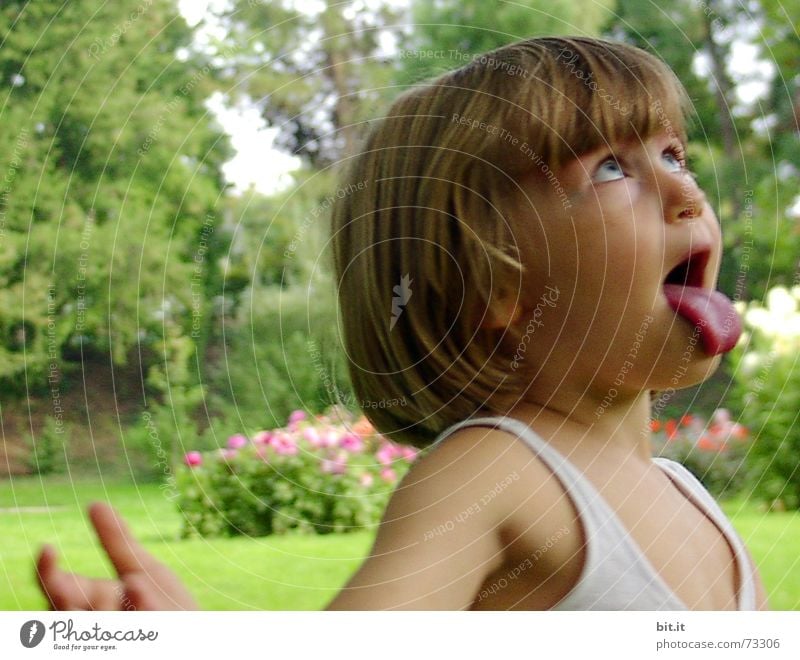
(256, 162)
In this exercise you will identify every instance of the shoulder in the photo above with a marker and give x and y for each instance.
(464, 505)
(519, 495)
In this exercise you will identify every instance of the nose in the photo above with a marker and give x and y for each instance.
(681, 198)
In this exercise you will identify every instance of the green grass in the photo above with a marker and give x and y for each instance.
(292, 572)
(275, 573)
(773, 540)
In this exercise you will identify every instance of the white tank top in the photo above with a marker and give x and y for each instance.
(616, 574)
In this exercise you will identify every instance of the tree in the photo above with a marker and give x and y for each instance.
(448, 33)
(110, 178)
(316, 76)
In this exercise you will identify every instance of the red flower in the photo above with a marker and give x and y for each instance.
(671, 429)
(655, 425)
(740, 432)
(687, 420)
(706, 443)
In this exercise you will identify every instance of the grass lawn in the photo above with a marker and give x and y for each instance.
(773, 540)
(274, 573)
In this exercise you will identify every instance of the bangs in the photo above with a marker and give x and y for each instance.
(615, 93)
(575, 95)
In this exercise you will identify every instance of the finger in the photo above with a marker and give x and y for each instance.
(157, 592)
(68, 591)
(63, 591)
(47, 575)
(122, 548)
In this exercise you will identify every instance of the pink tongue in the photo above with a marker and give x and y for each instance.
(711, 312)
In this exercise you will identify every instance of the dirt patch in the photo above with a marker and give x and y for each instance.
(94, 399)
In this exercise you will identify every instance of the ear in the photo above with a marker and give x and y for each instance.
(501, 314)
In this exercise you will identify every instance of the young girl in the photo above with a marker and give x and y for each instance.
(523, 255)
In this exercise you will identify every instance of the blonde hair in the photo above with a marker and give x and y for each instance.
(425, 240)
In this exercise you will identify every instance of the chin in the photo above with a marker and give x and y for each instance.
(682, 375)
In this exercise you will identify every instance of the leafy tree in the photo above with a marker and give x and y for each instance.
(109, 177)
(316, 76)
(448, 33)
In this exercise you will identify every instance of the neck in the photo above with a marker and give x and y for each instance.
(621, 422)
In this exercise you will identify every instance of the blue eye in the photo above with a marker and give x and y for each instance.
(609, 170)
(675, 161)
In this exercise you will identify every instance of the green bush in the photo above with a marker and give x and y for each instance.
(49, 447)
(281, 353)
(321, 475)
(767, 393)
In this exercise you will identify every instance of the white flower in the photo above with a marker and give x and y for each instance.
(750, 364)
(744, 338)
(780, 302)
(758, 318)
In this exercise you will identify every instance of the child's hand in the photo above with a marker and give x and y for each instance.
(144, 583)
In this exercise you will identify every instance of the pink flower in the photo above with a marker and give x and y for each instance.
(409, 453)
(330, 439)
(262, 437)
(387, 474)
(366, 479)
(385, 454)
(721, 416)
(283, 444)
(297, 416)
(193, 458)
(739, 432)
(312, 436)
(352, 443)
(237, 441)
(337, 466)
(228, 453)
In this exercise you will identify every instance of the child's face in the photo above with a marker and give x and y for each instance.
(632, 214)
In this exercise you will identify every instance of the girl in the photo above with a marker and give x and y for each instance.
(524, 255)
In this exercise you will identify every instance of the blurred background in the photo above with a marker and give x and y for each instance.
(166, 169)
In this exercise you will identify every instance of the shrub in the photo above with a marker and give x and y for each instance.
(714, 452)
(49, 447)
(281, 352)
(767, 393)
(326, 474)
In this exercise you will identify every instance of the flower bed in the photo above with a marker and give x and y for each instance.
(331, 473)
(713, 451)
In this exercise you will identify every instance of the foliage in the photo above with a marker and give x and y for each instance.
(448, 33)
(281, 352)
(329, 474)
(714, 452)
(767, 392)
(109, 168)
(49, 447)
(328, 70)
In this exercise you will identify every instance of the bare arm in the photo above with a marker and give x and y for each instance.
(436, 543)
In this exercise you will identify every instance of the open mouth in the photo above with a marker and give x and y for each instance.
(716, 322)
(691, 271)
